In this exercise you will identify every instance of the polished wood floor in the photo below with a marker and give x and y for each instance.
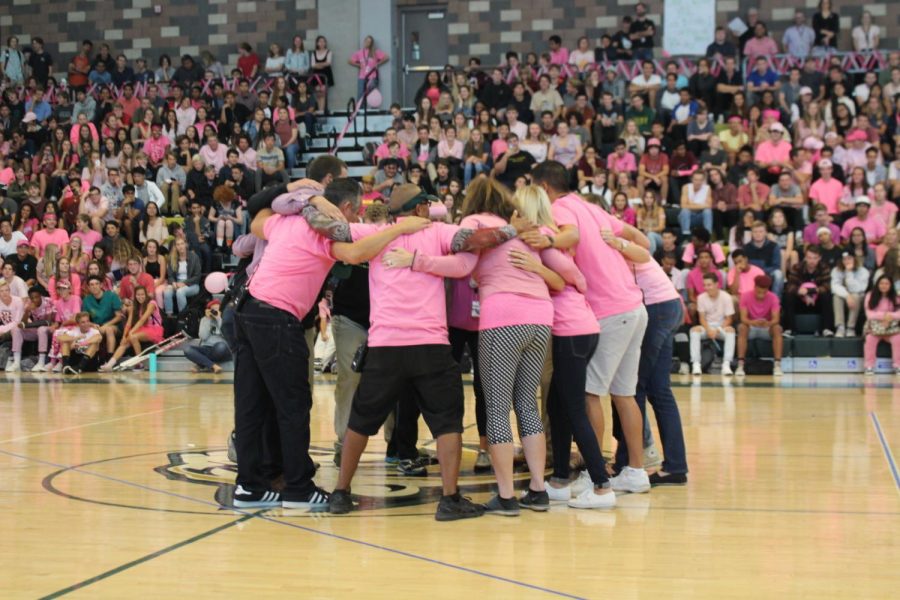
(107, 490)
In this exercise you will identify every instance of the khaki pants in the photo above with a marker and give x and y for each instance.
(172, 193)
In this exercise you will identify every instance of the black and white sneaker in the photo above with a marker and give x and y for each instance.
(536, 501)
(417, 467)
(244, 498)
(340, 502)
(318, 498)
(456, 507)
(507, 507)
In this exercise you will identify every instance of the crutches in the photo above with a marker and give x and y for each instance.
(167, 344)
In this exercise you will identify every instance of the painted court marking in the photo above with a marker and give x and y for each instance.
(293, 525)
(888, 455)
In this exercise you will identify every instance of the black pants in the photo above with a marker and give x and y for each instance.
(723, 221)
(794, 305)
(271, 376)
(459, 339)
(406, 427)
(567, 409)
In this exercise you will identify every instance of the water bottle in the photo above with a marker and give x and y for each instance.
(153, 363)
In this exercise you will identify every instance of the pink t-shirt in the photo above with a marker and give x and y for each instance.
(747, 279)
(572, 315)
(88, 239)
(42, 238)
(383, 151)
(611, 286)
(367, 61)
(11, 314)
(874, 228)
(694, 280)
(654, 283)
(883, 212)
(827, 193)
(690, 252)
(617, 163)
(408, 308)
(767, 152)
(509, 296)
(67, 309)
(811, 237)
(294, 266)
(759, 309)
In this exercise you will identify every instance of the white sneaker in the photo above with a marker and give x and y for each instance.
(652, 457)
(828, 333)
(869, 372)
(776, 370)
(582, 483)
(684, 369)
(635, 481)
(726, 369)
(39, 368)
(563, 494)
(696, 369)
(588, 499)
(739, 372)
(841, 332)
(13, 367)
(57, 368)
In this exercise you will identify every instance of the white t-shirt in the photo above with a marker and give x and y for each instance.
(716, 310)
(8, 248)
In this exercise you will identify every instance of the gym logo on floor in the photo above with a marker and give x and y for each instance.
(376, 485)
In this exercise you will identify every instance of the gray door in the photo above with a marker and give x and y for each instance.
(424, 45)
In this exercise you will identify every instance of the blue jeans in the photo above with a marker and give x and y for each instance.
(642, 54)
(472, 171)
(181, 296)
(207, 356)
(655, 386)
(655, 241)
(290, 155)
(692, 218)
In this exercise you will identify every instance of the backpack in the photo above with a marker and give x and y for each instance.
(757, 366)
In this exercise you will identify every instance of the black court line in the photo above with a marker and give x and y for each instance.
(149, 557)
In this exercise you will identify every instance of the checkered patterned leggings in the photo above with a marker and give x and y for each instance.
(511, 360)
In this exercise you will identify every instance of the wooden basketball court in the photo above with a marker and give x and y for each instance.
(107, 488)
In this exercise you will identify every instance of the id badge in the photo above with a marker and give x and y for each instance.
(476, 308)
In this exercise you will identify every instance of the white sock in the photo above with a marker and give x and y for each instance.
(42, 359)
(17, 357)
(220, 240)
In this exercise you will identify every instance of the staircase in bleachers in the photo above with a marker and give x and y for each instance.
(350, 150)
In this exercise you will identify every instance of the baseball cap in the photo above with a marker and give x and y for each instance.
(212, 303)
(857, 136)
(63, 285)
(406, 197)
(777, 127)
(763, 281)
(733, 118)
(806, 90)
(822, 230)
(862, 200)
(29, 117)
(367, 179)
(812, 143)
(653, 142)
(22, 243)
(825, 163)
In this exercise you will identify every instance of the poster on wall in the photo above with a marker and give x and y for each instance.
(689, 26)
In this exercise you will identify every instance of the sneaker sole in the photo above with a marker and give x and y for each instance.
(503, 513)
(304, 505)
(339, 511)
(535, 507)
(443, 517)
(592, 506)
(669, 484)
(255, 504)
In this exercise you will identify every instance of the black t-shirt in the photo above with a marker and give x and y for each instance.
(641, 25)
(40, 64)
(518, 165)
(351, 294)
(26, 269)
(608, 135)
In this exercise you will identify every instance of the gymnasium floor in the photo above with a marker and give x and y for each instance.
(107, 490)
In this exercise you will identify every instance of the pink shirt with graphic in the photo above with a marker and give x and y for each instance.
(11, 314)
(611, 287)
(294, 266)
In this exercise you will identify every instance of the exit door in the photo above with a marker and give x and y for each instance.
(424, 46)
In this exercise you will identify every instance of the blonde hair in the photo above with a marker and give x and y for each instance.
(534, 204)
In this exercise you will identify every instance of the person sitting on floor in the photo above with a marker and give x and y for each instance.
(80, 347)
(212, 348)
(143, 324)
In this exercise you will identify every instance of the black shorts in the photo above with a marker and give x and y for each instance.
(391, 371)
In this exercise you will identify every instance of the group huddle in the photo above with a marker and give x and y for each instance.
(528, 276)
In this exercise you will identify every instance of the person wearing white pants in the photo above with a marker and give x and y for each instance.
(716, 310)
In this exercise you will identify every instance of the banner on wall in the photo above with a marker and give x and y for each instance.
(689, 26)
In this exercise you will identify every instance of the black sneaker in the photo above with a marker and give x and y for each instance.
(244, 498)
(416, 467)
(456, 507)
(507, 507)
(537, 501)
(340, 502)
(337, 459)
(318, 498)
(668, 479)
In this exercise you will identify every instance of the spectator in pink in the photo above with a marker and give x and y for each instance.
(367, 60)
(873, 226)
(50, 234)
(883, 323)
(827, 191)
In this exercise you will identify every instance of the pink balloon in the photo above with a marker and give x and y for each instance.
(216, 282)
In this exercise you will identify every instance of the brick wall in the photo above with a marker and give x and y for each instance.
(484, 28)
(133, 28)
